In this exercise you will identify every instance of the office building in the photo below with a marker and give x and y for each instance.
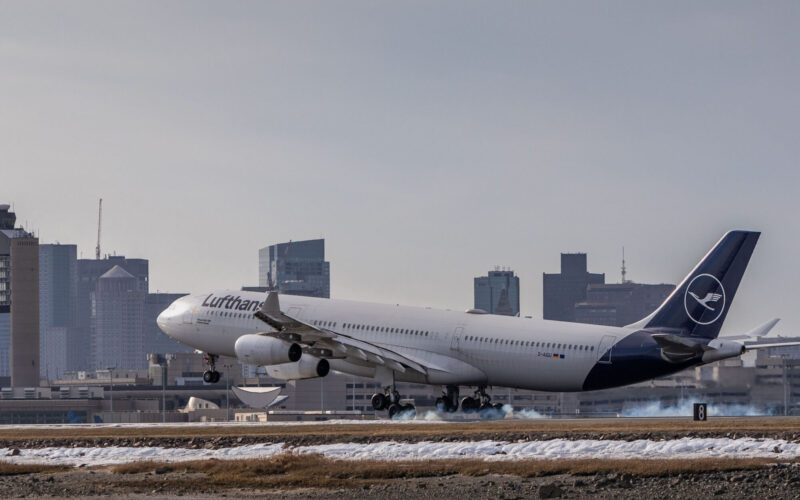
(295, 268)
(7, 221)
(58, 306)
(498, 293)
(19, 299)
(118, 335)
(89, 271)
(563, 290)
(620, 304)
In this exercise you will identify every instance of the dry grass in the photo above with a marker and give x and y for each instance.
(300, 471)
(465, 431)
(9, 469)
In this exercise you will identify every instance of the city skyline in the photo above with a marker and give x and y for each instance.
(425, 143)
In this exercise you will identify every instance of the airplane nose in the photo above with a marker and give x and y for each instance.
(166, 320)
(162, 321)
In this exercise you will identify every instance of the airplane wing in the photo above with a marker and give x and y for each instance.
(327, 343)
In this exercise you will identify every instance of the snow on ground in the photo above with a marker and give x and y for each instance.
(391, 450)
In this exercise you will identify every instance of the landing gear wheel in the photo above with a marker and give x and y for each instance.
(211, 376)
(469, 405)
(394, 409)
(449, 400)
(379, 401)
(410, 410)
(498, 406)
(486, 406)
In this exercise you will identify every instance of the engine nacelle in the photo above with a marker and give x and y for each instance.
(262, 350)
(307, 367)
(721, 349)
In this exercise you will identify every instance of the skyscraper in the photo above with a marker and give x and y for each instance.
(19, 298)
(89, 271)
(118, 334)
(295, 268)
(7, 221)
(562, 291)
(498, 293)
(58, 306)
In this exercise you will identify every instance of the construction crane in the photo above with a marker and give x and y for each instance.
(99, 226)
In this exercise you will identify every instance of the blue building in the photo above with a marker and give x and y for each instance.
(295, 268)
(498, 293)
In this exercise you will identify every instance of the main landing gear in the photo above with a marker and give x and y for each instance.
(449, 400)
(211, 376)
(480, 402)
(390, 400)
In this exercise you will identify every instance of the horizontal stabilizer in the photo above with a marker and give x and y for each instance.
(753, 347)
(759, 331)
(677, 349)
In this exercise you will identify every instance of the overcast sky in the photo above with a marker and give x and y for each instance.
(426, 142)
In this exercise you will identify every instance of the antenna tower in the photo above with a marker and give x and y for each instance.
(624, 271)
(99, 226)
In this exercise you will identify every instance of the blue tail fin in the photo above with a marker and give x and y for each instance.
(698, 305)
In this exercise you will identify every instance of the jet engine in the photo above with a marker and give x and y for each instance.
(261, 350)
(307, 367)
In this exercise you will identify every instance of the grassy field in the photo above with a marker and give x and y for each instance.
(536, 429)
(296, 471)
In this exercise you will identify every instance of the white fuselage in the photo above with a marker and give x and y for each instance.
(470, 349)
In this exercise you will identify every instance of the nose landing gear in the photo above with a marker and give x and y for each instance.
(211, 376)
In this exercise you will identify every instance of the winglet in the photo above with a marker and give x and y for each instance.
(272, 305)
(270, 312)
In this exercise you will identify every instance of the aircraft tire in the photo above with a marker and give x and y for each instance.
(394, 409)
(208, 377)
(469, 405)
(379, 401)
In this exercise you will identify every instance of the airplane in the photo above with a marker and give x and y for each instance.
(297, 337)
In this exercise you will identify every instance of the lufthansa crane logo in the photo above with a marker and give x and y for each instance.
(704, 298)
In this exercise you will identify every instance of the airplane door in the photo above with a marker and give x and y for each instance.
(605, 349)
(455, 343)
